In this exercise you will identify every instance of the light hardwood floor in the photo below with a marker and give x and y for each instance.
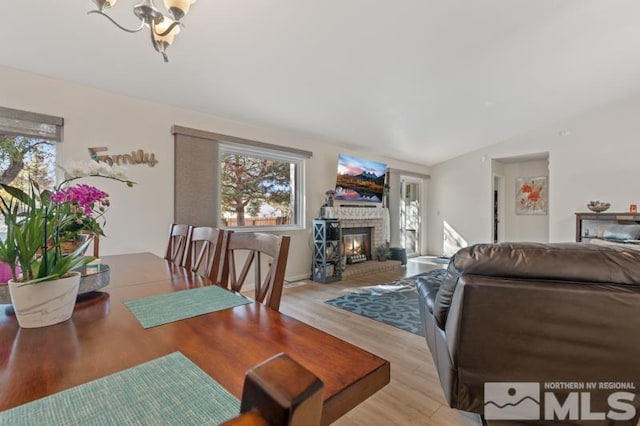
(414, 396)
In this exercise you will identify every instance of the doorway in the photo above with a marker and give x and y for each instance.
(508, 223)
(498, 209)
(410, 214)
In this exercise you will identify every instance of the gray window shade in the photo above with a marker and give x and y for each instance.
(218, 137)
(16, 123)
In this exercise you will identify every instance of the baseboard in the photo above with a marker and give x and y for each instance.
(298, 277)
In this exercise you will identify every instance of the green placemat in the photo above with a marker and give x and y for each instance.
(170, 390)
(166, 308)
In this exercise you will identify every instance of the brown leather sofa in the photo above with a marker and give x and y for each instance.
(553, 314)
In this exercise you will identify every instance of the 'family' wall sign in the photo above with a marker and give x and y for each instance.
(136, 157)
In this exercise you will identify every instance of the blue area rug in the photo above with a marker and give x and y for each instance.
(394, 303)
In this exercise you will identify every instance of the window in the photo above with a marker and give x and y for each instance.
(261, 183)
(28, 148)
(260, 187)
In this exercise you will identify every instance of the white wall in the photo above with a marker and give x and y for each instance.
(598, 159)
(523, 227)
(459, 202)
(139, 218)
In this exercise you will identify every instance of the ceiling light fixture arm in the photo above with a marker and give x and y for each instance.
(115, 23)
(168, 30)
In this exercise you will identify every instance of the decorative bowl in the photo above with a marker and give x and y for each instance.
(91, 279)
(598, 207)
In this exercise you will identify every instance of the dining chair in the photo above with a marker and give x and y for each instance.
(256, 247)
(176, 247)
(280, 392)
(203, 253)
(96, 246)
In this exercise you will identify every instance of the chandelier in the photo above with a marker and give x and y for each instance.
(163, 28)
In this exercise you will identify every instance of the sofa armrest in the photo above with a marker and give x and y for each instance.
(427, 290)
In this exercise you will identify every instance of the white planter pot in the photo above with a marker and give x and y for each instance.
(46, 303)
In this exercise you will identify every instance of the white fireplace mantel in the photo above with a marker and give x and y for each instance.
(360, 213)
(352, 213)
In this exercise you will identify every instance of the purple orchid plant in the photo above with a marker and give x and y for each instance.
(40, 221)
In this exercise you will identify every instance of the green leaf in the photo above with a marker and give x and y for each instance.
(17, 193)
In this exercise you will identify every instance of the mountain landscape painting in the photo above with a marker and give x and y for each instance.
(360, 179)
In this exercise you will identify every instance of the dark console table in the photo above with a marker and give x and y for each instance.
(611, 218)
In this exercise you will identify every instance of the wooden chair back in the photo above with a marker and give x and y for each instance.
(280, 392)
(96, 246)
(95, 242)
(204, 252)
(256, 246)
(177, 245)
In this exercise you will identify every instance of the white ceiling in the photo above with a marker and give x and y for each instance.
(416, 80)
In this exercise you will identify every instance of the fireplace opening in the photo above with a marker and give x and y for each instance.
(356, 244)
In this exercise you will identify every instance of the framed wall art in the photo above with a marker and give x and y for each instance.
(532, 195)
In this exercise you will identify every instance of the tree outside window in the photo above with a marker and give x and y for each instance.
(258, 190)
(23, 158)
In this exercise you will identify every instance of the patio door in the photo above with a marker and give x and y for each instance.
(410, 214)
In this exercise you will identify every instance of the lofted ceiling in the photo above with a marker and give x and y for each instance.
(416, 80)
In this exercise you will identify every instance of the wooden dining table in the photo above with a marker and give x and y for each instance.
(103, 337)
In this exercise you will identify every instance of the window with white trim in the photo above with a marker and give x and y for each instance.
(260, 187)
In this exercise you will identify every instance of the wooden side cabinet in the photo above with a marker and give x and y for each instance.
(327, 256)
(604, 220)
